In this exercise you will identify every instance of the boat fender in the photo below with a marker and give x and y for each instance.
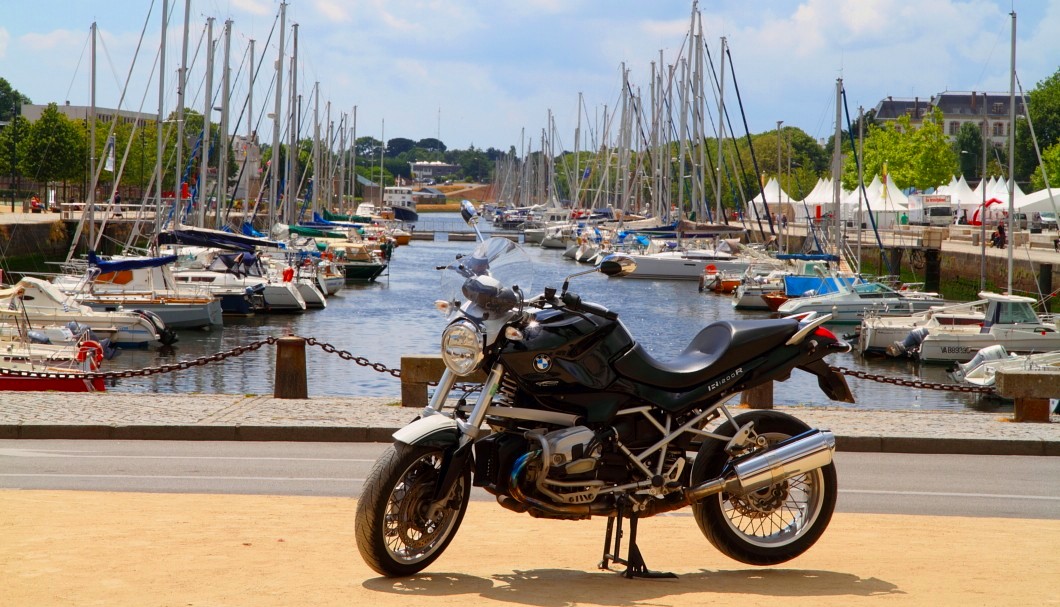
(288, 274)
(90, 348)
(38, 337)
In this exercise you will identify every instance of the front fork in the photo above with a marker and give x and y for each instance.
(470, 429)
(458, 454)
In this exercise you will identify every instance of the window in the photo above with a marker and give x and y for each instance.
(997, 108)
(999, 129)
(953, 127)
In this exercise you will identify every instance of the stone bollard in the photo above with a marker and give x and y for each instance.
(1031, 391)
(290, 368)
(759, 397)
(417, 372)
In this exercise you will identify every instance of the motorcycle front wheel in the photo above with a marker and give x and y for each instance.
(400, 530)
(774, 524)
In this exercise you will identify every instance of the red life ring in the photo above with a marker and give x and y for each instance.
(90, 348)
(711, 269)
(288, 274)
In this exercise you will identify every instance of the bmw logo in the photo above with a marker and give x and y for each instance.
(542, 362)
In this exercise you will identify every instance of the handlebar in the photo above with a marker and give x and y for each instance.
(575, 302)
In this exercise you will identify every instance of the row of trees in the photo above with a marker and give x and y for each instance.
(55, 149)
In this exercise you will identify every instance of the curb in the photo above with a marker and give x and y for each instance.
(360, 434)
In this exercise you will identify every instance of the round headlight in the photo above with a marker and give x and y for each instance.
(462, 347)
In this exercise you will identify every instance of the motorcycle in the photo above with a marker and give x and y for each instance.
(575, 419)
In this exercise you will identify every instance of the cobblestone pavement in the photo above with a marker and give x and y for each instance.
(248, 417)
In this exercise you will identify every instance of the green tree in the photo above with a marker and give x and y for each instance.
(431, 145)
(398, 145)
(920, 158)
(1043, 108)
(15, 131)
(969, 148)
(11, 101)
(1051, 165)
(54, 150)
(367, 148)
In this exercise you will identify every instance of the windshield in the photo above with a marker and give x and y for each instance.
(499, 259)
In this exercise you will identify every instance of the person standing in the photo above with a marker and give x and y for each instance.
(1002, 237)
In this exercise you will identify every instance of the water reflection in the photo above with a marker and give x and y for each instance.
(395, 317)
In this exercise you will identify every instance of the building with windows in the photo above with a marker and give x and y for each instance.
(957, 108)
(434, 170)
(32, 112)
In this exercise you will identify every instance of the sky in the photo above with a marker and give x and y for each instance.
(488, 74)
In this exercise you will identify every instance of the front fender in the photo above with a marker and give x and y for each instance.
(431, 431)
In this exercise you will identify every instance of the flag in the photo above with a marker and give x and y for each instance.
(585, 175)
(109, 165)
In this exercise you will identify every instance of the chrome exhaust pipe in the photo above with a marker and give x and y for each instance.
(797, 455)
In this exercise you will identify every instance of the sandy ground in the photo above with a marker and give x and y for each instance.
(118, 549)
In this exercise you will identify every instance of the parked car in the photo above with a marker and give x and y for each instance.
(1048, 221)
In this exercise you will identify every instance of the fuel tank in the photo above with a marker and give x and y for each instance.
(566, 353)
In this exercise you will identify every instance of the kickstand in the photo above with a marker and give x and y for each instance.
(634, 562)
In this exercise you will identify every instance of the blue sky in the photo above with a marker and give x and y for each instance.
(480, 73)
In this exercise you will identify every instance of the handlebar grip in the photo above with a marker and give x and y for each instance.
(575, 302)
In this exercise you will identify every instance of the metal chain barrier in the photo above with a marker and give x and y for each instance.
(360, 360)
(914, 383)
(177, 366)
(380, 367)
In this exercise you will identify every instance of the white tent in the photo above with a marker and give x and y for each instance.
(818, 202)
(884, 200)
(775, 196)
(1040, 202)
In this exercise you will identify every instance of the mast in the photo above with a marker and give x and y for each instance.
(382, 147)
(721, 127)
(353, 161)
(92, 145)
(182, 76)
(291, 191)
(861, 175)
(160, 148)
(317, 172)
(837, 165)
(207, 114)
(274, 163)
(222, 159)
(1011, 152)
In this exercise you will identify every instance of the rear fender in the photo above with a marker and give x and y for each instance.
(832, 383)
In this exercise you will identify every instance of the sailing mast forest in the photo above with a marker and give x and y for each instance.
(676, 143)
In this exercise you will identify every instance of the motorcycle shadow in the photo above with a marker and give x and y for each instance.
(563, 587)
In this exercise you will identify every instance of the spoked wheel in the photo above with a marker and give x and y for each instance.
(400, 529)
(774, 524)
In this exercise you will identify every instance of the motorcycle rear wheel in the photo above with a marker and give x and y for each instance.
(775, 524)
(398, 533)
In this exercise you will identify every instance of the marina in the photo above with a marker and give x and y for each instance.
(395, 317)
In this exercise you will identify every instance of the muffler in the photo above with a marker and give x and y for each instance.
(791, 457)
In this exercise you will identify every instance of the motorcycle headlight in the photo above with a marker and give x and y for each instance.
(462, 347)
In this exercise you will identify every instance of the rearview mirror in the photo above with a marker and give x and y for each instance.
(468, 212)
(617, 265)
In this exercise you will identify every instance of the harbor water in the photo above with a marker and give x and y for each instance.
(395, 316)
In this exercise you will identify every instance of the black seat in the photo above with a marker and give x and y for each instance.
(719, 346)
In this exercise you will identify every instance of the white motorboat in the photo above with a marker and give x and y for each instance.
(1009, 321)
(982, 369)
(686, 264)
(853, 303)
(46, 309)
(887, 334)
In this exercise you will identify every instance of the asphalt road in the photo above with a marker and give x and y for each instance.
(872, 483)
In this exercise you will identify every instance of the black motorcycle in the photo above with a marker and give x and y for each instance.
(575, 419)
